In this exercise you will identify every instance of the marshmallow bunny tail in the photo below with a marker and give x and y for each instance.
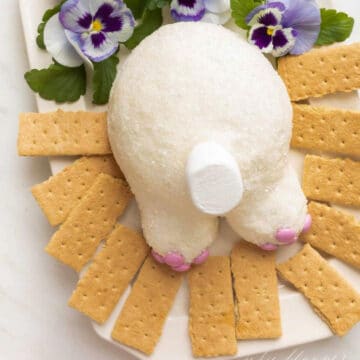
(214, 179)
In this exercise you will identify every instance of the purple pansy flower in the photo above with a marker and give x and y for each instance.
(286, 26)
(88, 29)
(97, 26)
(214, 11)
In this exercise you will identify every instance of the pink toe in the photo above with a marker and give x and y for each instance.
(286, 236)
(159, 258)
(308, 222)
(181, 268)
(201, 258)
(268, 247)
(174, 259)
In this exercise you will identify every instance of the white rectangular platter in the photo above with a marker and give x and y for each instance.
(300, 324)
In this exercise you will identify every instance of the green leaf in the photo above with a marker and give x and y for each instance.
(58, 83)
(335, 27)
(241, 8)
(156, 4)
(151, 21)
(104, 76)
(137, 7)
(46, 17)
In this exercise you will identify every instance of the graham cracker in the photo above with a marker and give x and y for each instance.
(143, 316)
(90, 222)
(99, 290)
(330, 130)
(256, 290)
(331, 296)
(211, 316)
(332, 180)
(334, 232)
(321, 71)
(63, 133)
(61, 193)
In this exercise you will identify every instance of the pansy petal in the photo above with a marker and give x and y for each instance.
(116, 20)
(283, 41)
(217, 6)
(127, 28)
(94, 5)
(187, 10)
(120, 4)
(104, 11)
(98, 46)
(58, 45)
(219, 19)
(109, 20)
(75, 40)
(275, 4)
(304, 17)
(259, 36)
(301, 12)
(75, 16)
(267, 17)
(305, 40)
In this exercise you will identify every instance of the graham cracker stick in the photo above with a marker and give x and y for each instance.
(321, 71)
(63, 133)
(61, 193)
(331, 130)
(99, 290)
(212, 318)
(332, 180)
(90, 222)
(331, 296)
(143, 316)
(256, 290)
(334, 232)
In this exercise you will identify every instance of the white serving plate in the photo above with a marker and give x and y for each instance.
(300, 324)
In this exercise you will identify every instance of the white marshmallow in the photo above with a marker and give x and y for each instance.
(214, 179)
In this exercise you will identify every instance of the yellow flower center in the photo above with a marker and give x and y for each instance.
(97, 25)
(270, 31)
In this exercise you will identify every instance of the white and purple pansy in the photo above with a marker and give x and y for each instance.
(88, 29)
(213, 11)
(286, 26)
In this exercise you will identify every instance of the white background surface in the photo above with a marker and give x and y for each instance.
(35, 322)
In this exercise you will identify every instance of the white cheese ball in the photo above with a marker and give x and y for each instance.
(185, 84)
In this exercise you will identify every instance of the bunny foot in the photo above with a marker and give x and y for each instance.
(287, 236)
(177, 261)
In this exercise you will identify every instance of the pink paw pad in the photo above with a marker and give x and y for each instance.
(201, 258)
(177, 261)
(307, 225)
(182, 268)
(269, 247)
(286, 236)
(159, 258)
(174, 259)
